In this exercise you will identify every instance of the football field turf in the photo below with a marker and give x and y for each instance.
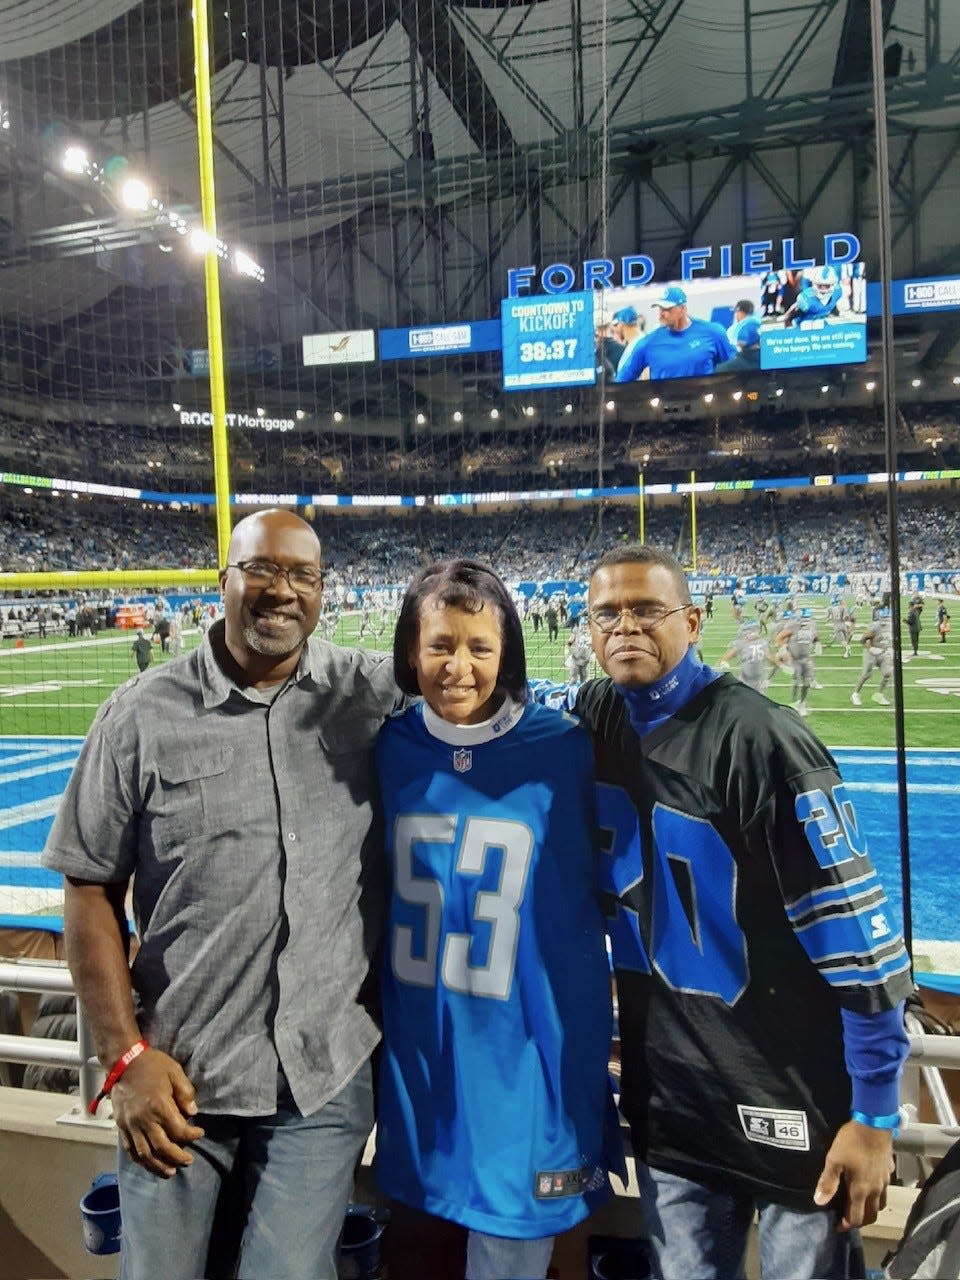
(55, 686)
(50, 692)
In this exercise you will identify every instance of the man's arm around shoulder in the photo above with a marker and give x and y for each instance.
(153, 1099)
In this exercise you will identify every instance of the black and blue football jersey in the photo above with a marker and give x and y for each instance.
(744, 914)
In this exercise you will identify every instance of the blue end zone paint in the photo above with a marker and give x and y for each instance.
(47, 924)
(33, 774)
(933, 804)
(948, 982)
(34, 771)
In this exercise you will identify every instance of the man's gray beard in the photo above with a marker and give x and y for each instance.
(271, 648)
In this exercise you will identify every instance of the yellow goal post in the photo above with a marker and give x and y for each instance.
(120, 580)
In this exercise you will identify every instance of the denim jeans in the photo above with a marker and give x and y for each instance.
(497, 1258)
(699, 1234)
(270, 1189)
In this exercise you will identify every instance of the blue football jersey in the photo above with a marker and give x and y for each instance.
(494, 1101)
(811, 306)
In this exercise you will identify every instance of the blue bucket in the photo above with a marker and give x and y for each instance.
(363, 1228)
(100, 1212)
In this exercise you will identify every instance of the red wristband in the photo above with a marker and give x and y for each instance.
(115, 1072)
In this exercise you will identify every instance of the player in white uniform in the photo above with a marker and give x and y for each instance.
(800, 637)
(877, 643)
(579, 651)
(754, 656)
(841, 620)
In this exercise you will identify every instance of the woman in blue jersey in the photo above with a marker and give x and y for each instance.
(494, 1099)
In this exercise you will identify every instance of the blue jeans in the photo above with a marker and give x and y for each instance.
(497, 1258)
(699, 1234)
(271, 1189)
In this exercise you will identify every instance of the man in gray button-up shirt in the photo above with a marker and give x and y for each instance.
(234, 787)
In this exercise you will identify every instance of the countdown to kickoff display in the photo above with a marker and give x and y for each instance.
(548, 341)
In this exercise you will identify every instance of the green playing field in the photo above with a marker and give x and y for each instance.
(55, 686)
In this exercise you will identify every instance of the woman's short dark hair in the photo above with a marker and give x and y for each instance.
(469, 585)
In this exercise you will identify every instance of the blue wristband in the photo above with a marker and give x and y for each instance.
(891, 1122)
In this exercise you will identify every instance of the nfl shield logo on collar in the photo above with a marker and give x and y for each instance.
(462, 760)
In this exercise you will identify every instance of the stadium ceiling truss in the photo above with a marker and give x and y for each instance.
(475, 61)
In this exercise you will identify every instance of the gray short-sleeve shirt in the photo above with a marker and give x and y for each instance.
(250, 826)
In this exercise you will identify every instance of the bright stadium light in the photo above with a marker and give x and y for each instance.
(200, 240)
(75, 160)
(135, 194)
(457, 415)
(708, 398)
(738, 395)
(494, 413)
(824, 389)
(246, 266)
(529, 410)
(4, 116)
(655, 402)
(421, 420)
(260, 411)
(916, 382)
(337, 415)
(300, 415)
(568, 408)
(610, 406)
(870, 386)
(779, 391)
(175, 407)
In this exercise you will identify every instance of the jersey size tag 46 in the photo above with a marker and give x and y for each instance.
(774, 1128)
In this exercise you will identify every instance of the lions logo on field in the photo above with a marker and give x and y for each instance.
(462, 760)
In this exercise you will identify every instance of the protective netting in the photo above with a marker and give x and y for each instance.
(380, 171)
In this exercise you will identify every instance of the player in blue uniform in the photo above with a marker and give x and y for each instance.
(494, 1098)
(817, 299)
(682, 346)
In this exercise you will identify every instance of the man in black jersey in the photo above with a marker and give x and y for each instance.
(759, 971)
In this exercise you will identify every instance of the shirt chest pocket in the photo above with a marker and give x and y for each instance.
(193, 798)
(345, 768)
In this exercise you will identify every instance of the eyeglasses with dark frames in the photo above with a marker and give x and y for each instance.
(302, 578)
(646, 616)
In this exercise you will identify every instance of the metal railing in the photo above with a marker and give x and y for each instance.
(44, 977)
(928, 1053)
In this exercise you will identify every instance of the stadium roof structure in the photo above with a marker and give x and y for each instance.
(386, 162)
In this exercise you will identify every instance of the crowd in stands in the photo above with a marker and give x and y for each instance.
(926, 531)
(173, 459)
(43, 534)
(760, 532)
(763, 532)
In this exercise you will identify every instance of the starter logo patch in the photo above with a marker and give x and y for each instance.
(773, 1128)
